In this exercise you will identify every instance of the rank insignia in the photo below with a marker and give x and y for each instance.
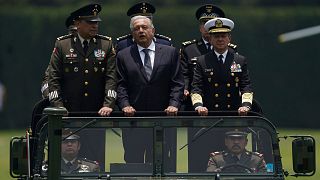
(99, 54)
(95, 69)
(236, 79)
(102, 69)
(235, 67)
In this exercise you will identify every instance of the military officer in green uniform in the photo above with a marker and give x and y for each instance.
(72, 29)
(82, 75)
(236, 158)
(70, 161)
(141, 9)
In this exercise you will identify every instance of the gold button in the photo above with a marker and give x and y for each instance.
(216, 95)
(217, 105)
(237, 85)
(216, 85)
(228, 106)
(228, 85)
(86, 94)
(86, 59)
(228, 95)
(86, 83)
(232, 74)
(86, 71)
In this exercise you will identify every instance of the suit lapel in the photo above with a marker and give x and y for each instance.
(229, 60)
(137, 59)
(157, 60)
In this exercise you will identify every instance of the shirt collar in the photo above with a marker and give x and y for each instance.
(151, 47)
(66, 161)
(224, 54)
(82, 39)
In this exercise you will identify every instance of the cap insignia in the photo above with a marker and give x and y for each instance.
(218, 23)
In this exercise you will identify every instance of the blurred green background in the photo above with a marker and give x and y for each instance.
(284, 75)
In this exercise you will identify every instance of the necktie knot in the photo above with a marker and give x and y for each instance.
(85, 46)
(220, 59)
(208, 45)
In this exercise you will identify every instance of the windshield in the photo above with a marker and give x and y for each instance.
(169, 147)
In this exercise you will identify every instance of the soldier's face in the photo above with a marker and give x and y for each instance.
(236, 145)
(204, 33)
(142, 32)
(70, 149)
(220, 41)
(87, 29)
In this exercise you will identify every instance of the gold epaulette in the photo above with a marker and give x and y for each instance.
(233, 46)
(104, 37)
(90, 161)
(64, 37)
(187, 43)
(123, 37)
(162, 37)
(215, 153)
(257, 154)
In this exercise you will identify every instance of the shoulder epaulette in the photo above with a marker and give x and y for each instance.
(215, 153)
(104, 37)
(123, 37)
(90, 161)
(64, 37)
(187, 43)
(163, 37)
(257, 154)
(233, 46)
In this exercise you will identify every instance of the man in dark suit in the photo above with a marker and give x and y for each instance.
(150, 79)
(141, 9)
(219, 77)
(82, 76)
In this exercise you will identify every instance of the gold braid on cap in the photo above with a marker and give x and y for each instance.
(196, 98)
(247, 97)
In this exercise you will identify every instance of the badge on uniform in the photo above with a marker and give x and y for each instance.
(84, 168)
(99, 54)
(71, 55)
(210, 71)
(235, 67)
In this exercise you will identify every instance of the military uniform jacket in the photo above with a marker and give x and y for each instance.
(252, 160)
(127, 40)
(220, 85)
(80, 166)
(82, 81)
(189, 53)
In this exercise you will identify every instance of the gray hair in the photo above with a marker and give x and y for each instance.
(134, 18)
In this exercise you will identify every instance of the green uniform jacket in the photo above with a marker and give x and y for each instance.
(253, 160)
(82, 81)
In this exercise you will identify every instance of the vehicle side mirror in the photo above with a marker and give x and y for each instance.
(303, 155)
(18, 157)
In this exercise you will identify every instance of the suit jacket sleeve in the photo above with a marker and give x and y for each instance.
(185, 68)
(122, 90)
(55, 76)
(177, 83)
(111, 77)
(197, 85)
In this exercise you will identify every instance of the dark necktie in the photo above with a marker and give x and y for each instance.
(69, 165)
(220, 60)
(208, 45)
(147, 63)
(85, 46)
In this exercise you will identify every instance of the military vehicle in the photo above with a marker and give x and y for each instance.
(38, 154)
